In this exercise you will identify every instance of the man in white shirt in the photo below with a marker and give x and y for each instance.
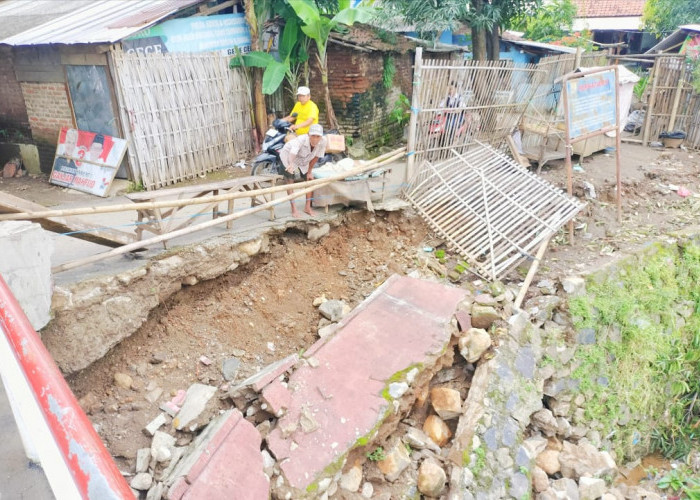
(299, 157)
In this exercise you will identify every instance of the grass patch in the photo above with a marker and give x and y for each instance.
(377, 455)
(653, 373)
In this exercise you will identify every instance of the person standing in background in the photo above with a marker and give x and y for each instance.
(306, 112)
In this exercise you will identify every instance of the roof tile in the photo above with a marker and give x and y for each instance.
(609, 8)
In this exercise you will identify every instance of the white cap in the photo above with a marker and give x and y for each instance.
(303, 91)
(315, 129)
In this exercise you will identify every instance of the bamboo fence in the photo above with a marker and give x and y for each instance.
(489, 209)
(494, 95)
(184, 114)
(672, 103)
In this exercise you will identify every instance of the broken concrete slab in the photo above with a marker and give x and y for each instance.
(196, 400)
(225, 458)
(334, 310)
(155, 424)
(143, 456)
(267, 374)
(229, 368)
(277, 397)
(161, 440)
(26, 267)
(402, 325)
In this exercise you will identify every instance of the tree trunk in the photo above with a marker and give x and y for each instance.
(478, 35)
(330, 113)
(493, 43)
(259, 101)
(478, 44)
(259, 108)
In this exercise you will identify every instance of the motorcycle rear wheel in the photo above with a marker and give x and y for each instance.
(265, 168)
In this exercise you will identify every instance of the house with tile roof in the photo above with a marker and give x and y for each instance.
(614, 21)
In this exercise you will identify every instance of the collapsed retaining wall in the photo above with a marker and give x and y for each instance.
(116, 306)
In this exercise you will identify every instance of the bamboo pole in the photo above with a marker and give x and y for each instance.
(650, 107)
(415, 103)
(569, 151)
(174, 234)
(618, 144)
(677, 99)
(154, 205)
(531, 274)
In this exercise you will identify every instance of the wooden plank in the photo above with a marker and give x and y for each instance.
(84, 59)
(77, 227)
(521, 159)
(50, 75)
(207, 11)
(200, 189)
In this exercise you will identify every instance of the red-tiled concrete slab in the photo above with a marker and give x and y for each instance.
(402, 324)
(227, 463)
(277, 397)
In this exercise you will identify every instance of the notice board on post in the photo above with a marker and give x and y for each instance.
(86, 161)
(592, 107)
(592, 103)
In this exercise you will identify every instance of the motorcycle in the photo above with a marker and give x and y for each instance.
(456, 124)
(268, 162)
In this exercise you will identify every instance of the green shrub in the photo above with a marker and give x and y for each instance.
(652, 374)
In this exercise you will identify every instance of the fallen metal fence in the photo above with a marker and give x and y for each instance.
(488, 208)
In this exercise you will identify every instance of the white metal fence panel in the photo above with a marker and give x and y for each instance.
(488, 208)
(460, 102)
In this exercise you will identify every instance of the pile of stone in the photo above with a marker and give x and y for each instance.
(187, 411)
(490, 421)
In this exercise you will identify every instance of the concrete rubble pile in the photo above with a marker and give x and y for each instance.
(478, 416)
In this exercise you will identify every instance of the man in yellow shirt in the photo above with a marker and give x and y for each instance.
(306, 112)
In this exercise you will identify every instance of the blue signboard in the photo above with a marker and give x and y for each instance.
(592, 103)
(222, 33)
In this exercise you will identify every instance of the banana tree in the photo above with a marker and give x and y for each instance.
(318, 27)
(256, 13)
(291, 53)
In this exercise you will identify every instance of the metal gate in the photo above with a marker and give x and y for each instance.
(183, 114)
(459, 102)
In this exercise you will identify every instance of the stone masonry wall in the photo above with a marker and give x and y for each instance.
(13, 114)
(48, 110)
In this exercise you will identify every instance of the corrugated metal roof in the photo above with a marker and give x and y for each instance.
(102, 21)
(675, 39)
(17, 16)
(543, 46)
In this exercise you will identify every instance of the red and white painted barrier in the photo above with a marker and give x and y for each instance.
(76, 463)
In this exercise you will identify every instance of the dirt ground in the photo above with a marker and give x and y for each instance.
(263, 312)
(652, 205)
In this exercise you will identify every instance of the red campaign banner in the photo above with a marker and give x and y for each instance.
(86, 161)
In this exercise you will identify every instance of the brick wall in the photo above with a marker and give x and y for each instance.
(13, 115)
(48, 110)
(360, 100)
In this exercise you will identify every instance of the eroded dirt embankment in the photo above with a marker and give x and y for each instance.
(258, 313)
